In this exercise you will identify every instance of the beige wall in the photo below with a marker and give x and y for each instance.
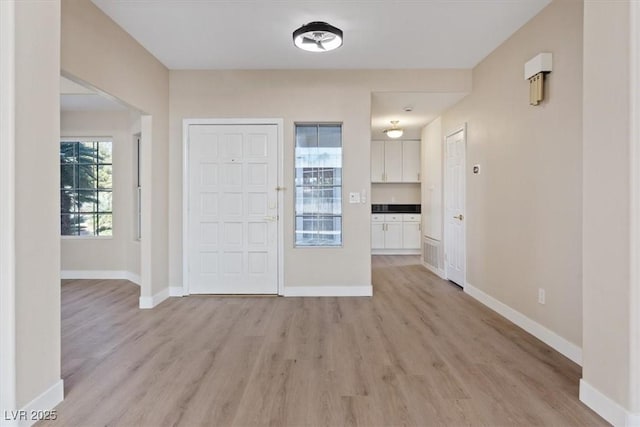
(606, 206)
(342, 96)
(431, 164)
(395, 193)
(37, 204)
(120, 252)
(98, 52)
(524, 211)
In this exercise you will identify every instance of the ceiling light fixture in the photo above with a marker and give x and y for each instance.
(317, 37)
(394, 131)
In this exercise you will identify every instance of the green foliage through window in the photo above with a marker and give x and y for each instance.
(86, 188)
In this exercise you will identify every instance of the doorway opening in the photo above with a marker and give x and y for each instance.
(407, 177)
(99, 187)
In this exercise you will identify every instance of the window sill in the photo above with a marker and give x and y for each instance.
(86, 237)
(318, 247)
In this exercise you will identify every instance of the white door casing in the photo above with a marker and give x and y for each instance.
(232, 199)
(454, 210)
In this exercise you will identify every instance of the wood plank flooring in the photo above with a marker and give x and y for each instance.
(420, 352)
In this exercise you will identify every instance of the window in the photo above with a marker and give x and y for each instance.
(86, 188)
(318, 181)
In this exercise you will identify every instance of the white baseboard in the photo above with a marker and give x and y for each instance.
(101, 275)
(611, 411)
(150, 302)
(176, 291)
(565, 347)
(437, 271)
(133, 277)
(28, 415)
(328, 291)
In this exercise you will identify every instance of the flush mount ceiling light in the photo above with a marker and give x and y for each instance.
(394, 131)
(317, 37)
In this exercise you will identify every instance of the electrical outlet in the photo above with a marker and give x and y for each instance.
(541, 296)
(354, 197)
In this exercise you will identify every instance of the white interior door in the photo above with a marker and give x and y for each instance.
(232, 213)
(455, 146)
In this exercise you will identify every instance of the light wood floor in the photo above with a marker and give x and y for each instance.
(420, 352)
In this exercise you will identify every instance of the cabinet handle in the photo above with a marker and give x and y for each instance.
(419, 227)
(382, 177)
(418, 176)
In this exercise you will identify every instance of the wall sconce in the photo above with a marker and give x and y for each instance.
(535, 70)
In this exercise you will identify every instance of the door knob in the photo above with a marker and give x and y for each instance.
(460, 217)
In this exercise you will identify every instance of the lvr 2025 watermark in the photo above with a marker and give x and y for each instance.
(23, 415)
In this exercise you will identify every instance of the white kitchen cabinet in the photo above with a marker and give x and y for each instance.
(411, 235)
(377, 235)
(395, 233)
(410, 161)
(395, 161)
(377, 161)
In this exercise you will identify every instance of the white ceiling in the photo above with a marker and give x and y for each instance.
(387, 106)
(75, 97)
(257, 34)
(93, 102)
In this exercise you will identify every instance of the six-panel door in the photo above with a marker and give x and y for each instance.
(232, 209)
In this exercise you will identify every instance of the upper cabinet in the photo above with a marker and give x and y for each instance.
(377, 161)
(410, 161)
(395, 161)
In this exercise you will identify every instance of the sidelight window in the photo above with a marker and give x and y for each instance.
(318, 185)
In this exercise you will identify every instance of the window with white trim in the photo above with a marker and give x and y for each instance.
(86, 187)
(318, 184)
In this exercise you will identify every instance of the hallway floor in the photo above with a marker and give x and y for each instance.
(419, 352)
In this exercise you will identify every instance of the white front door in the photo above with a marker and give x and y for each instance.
(454, 242)
(232, 209)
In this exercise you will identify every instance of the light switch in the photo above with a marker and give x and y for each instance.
(354, 197)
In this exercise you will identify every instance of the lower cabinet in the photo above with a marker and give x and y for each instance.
(395, 233)
(411, 235)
